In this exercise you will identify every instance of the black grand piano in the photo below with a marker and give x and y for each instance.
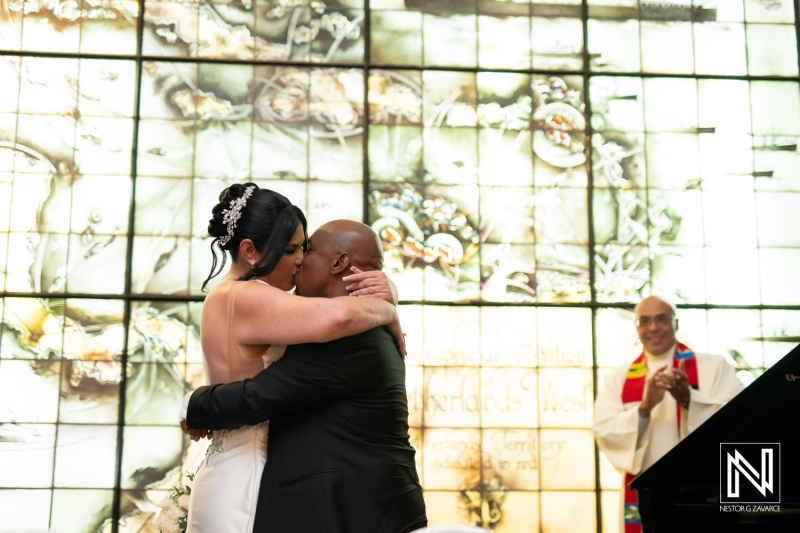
(687, 490)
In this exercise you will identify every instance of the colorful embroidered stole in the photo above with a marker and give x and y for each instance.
(633, 391)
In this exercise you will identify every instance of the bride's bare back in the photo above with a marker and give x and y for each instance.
(224, 358)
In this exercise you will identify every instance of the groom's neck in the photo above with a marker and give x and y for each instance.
(334, 288)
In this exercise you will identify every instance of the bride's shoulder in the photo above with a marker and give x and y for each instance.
(255, 293)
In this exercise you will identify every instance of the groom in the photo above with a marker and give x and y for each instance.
(338, 456)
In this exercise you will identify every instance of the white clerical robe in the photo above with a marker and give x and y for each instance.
(632, 446)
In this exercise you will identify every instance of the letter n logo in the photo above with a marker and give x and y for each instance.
(750, 473)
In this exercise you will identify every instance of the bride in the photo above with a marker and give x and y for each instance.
(243, 331)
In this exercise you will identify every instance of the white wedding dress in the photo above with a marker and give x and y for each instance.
(225, 488)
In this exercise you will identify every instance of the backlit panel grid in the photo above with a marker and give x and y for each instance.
(103, 27)
(499, 406)
(517, 35)
(685, 38)
(271, 30)
(687, 179)
(65, 138)
(294, 130)
(59, 398)
(479, 184)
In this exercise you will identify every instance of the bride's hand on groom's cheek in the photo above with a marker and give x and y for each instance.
(195, 434)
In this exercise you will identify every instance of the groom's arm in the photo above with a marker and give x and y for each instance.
(306, 375)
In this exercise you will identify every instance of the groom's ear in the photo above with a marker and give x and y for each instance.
(340, 264)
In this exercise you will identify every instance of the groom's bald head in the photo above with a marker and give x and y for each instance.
(332, 250)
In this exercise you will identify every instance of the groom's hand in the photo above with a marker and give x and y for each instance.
(195, 434)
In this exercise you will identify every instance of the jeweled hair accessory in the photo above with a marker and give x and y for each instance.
(232, 215)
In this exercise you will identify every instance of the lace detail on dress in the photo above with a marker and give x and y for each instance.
(222, 437)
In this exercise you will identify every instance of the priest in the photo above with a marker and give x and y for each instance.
(650, 404)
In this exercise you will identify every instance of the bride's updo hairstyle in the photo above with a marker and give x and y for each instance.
(265, 217)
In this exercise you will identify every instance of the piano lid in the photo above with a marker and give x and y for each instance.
(766, 411)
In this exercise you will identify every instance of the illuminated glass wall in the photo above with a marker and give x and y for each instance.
(532, 168)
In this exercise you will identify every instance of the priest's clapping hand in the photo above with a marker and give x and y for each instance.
(654, 391)
(677, 383)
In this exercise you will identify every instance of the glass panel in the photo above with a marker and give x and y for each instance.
(107, 89)
(132, 503)
(11, 29)
(779, 286)
(518, 511)
(508, 336)
(508, 273)
(568, 511)
(452, 40)
(451, 459)
(622, 272)
(557, 43)
(162, 207)
(710, 38)
(737, 210)
(565, 337)
(451, 507)
(36, 504)
(777, 213)
(452, 397)
(775, 157)
(725, 268)
(716, 99)
(565, 397)
(431, 234)
(614, 45)
(756, 11)
(144, 465)
(81, 510)
(611, 508)
(561, 214)
(617, 341)
(27, 450)
(567, 459)
(504, 42)
(513, 456)
(667, 47)
(775, 107)
(416, 396)
(670, 270)
(610, 478)
(562, 273)
(726, 161)
(762, 41)
(511, 211)
(80, 446)
(461, 347)
(396, 37)
(617, 104)
(411, 316)
(735, 334)
(509, 398)
(559, 123)
(730, 10)
(680, 114)
(28, 391)
(780, 331)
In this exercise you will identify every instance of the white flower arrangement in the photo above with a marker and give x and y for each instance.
(174, 513)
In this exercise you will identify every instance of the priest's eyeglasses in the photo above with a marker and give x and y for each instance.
(660, 320)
